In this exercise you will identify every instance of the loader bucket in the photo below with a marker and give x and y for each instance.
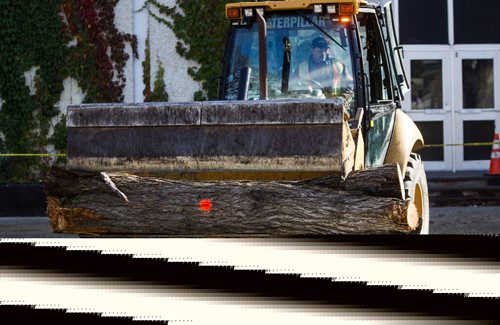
(290, 139)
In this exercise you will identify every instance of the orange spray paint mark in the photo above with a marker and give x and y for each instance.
(206, 205)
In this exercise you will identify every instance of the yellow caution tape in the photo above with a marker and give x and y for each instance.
(470, 144)
(32, 155)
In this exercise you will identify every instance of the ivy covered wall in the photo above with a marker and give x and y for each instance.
(201, 29)
(53, 49)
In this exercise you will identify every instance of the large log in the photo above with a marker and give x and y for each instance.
(120, 204)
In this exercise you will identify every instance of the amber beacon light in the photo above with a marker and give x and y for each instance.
(233, 13)
(346, 9)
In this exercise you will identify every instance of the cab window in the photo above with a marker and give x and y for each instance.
(374, 62)
(290, 38)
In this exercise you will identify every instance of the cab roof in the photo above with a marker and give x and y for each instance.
(293, 4)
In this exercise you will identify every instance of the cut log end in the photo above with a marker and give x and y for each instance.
(57, 217)
(412, 218)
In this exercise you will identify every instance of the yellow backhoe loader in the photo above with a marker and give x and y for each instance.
(309, 89)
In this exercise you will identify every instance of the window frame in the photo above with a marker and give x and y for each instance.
(386, 65)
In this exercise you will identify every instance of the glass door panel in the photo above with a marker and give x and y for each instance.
(430, 103)
(478, 83)
(477, 109)
(426, 84)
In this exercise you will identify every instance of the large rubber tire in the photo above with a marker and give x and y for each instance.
(415, 183)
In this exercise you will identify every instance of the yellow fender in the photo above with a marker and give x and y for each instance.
(406, 138)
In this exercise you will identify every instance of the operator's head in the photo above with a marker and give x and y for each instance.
(319, 50)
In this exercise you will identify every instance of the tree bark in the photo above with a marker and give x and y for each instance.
(383, 181)
(119, 204)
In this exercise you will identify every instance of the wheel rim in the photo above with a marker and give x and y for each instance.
(418, 199)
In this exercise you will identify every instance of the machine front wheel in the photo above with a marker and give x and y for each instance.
(415, 183)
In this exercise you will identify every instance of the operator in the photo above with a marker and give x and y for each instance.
(321, 68)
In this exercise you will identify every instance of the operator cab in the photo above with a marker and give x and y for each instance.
(289, 45)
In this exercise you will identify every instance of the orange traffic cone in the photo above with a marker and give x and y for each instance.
(495, 156)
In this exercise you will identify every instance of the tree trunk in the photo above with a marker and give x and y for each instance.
(367, 202)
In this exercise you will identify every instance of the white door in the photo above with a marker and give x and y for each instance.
(429, 102)
(476, 89)
(454, 99)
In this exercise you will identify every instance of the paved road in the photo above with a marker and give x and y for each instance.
(444, 220)
(465, 220)
(28, 227)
